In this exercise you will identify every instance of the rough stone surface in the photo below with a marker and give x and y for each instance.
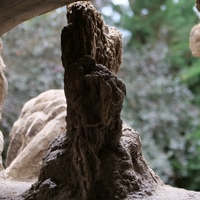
(1, 150)
(120, 174)
(3, 92)
(41, 120)
(14, 12)
(195, 40)
(123, 172)
(10, 190)
(96, 39)
(198, 5)
(98, 158)
(3, 81)
(167, 192)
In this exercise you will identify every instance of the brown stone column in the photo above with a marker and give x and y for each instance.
(99, 157)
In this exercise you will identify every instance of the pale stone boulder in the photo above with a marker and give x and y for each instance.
(41, 120)
(3, 81)
(198, 5)
(1, 150)
(9, 190)
(3, 92)
(194, 40)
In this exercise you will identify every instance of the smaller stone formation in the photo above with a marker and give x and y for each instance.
(1, 150)
(198, 5)
(41, 120)
(195, 40)
(3, 81)
(3, 92)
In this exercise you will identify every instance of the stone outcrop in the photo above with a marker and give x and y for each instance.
(198, 5)
(9, 190)
(98, 158)
(14, 12)
(41, 120)
(1, 150)
(123, 171)
(3, 81)
(3, 92)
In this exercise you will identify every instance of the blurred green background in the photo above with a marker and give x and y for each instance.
(161, 76)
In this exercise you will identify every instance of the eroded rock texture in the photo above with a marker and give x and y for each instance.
(1, 150)
(195, 40)
(95, 97)
(41, 120)
(198, 5)
(124, 173)
(89, 35)
(97, 158)
(3, 81)
(3, 92)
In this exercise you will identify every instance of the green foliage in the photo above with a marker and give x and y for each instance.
(162, 81)
(191, 179)
(176, 21)
(159, 108)
(189, 74)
